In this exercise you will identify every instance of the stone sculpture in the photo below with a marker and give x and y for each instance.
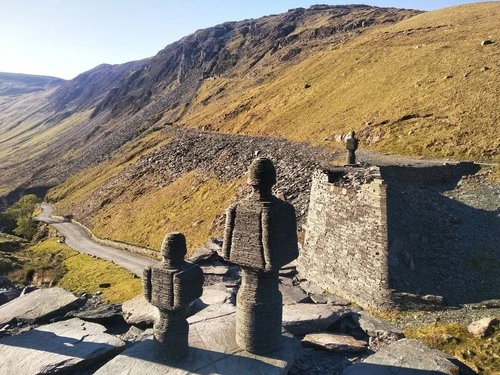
(261, 237)
(172, 286)
(351, 145)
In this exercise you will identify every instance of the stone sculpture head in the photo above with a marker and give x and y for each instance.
(173, 249)
(262, 175)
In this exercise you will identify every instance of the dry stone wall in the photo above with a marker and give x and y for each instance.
(395, 236)
(345, 249)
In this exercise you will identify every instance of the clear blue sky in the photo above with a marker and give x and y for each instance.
(63, 38)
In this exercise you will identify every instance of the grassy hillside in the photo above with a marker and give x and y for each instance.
(418, 87)
(424, 86)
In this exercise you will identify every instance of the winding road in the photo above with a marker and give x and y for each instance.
(79, 240)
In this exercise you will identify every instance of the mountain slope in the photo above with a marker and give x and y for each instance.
(87, 118)
(17, 84)
(425, 86)
(418, 84)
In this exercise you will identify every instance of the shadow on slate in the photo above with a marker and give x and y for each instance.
(37, 340)
(440, 246)
(145, 352)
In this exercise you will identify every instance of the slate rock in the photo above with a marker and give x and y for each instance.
(335, 342)
(213, 350)
(304, 318)
(39, 306)
(293, 295)
(329, 298)
(63, 347)
(405, 357)
(7, 295)
(100, 314)
(139, 311)
(373, 326)
(311, 288)
(482, 327)
(135, 334)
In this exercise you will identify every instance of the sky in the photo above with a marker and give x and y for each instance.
(64, 38)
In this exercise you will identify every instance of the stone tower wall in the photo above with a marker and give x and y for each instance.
(346, 243)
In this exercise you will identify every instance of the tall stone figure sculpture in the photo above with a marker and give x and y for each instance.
(351, 145)
(261, 237)
(172, 286)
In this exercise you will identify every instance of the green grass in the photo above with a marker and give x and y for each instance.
(481, 354)
(86, 273)
(54, 264)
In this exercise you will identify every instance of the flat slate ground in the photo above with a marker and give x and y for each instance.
(213, 350)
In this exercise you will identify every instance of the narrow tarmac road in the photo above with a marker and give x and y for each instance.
(77, 239)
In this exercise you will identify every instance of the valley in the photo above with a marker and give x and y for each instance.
(136, 150)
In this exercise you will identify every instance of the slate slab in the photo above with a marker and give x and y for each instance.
(139, 311)
(38, 306)
(304, 318)
(405, 357)
(335, 342)
(63, 347)
(373, 326)
(213, 350)
(293, 295)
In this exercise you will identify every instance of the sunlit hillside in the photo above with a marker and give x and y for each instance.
(425, 86)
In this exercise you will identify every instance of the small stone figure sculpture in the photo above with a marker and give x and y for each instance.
(261, 237)
(351, 144)
(172, 286)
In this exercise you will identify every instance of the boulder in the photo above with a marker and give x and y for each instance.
(405, 357)
(138, 311)
(482, 327)
(304, 318)
(39, 306)
(64, 347)
(335, 342)
(213, 350)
